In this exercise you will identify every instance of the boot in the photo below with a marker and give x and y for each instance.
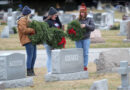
(29, 72)
(33, 73)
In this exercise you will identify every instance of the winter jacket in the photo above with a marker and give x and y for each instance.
(53, 23)
(89, 25)
(24, 31)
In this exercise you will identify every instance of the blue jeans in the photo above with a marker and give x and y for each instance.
(31, 55)
(85, 44)
(48, 51)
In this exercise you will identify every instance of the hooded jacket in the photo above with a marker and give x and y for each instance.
(24, 31)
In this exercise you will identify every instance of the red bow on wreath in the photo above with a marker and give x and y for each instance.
(72, 31)
(63, 41)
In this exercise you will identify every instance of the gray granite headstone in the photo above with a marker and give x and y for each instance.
(10, 24)
(123, 27)
(5, 32)
(109, 60)
(17, 83)
(2, 87)
(67, 64)
(128, 32)
(97, 18)
(100, 85)
(124, 72)
(99, 7)
(66, 76)
(67, 60)
(1, 14)
(14, 17)
(66, 18)
(10, 11)
(12, 66)
(38, 18)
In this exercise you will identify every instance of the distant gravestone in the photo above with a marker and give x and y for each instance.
(38, 18)
(96, 37)
(12, 66)
(66, 18)
(123, 27)
(128, 32)
(127, 10)
(32, 11)
(99, 7)
(14, 18)
(109, 60)
(2, 87)
(5, 16)
(5, 32)
(1, 14)
(97, 18)
(10, 10)
(100, 85)
(10, 23)
(67, 64)
(124, 71)
(103, 20)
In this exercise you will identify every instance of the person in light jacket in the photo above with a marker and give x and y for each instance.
(24, 31)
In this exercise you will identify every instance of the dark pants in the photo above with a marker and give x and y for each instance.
(31, 55)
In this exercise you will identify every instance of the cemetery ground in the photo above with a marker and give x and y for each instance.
(112, 40)
(40, 84)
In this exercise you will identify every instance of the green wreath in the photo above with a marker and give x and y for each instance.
(74, 31)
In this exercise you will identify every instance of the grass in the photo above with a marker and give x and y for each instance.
(40, 84)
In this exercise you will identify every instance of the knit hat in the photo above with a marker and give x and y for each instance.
(26, 10)
(83, 8)
(52, 11)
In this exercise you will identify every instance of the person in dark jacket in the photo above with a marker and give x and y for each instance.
(53, 21)
(84, 43)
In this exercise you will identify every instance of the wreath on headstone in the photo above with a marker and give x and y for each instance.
(74, 31)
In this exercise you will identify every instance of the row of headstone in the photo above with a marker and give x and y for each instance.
(67, 64)
(13, 70)
(11, 18)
